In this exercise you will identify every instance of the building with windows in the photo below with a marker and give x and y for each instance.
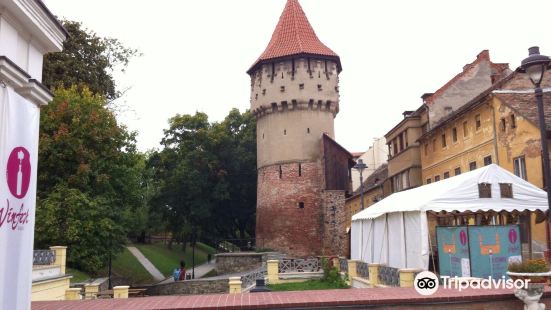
(498, 126)
(404, 162)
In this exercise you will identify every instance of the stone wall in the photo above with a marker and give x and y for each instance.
(238, 262)
(288, 214)
(334, 217)
(190, 287)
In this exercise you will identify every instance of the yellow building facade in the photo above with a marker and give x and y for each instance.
(500, 127)
(50, 282)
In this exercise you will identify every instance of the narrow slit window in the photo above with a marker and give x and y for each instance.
(301, 205)
(280, 172)
(299, 170)
(513, 121)
(301, 86)
(307, 130)
(503, 124)
(454, 134)
(284, 132)
(444, 140)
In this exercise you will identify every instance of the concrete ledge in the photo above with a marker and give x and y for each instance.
(358, 282)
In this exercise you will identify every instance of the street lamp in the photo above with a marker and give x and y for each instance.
(535, 66)
(360, 166)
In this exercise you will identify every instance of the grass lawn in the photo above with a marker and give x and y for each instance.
(304, 286)
(78, 276)
(127, 266)
(166, 260)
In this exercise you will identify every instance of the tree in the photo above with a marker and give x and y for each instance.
(87, 60)
(89, 178)
(209, 176)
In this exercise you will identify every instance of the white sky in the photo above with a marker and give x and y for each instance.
(196, 52)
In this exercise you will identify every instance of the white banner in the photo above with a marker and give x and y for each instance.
(19, 126)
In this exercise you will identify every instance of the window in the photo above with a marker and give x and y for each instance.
(446, 175)
(454, 134)
(434, 145)
(465, 129)
(457, 171)
(519, 164)
(394, 148)
(426, 149)
(262, 136)
(444, 140)
(472, 166)
(436, 178)
(301, 86)
(477, 121)
(319, 87)
(264, 91)
(485, 190)
(299, 170)
(284, 132)
(429, 181)
(502, 124)
(401, 140)
(513, 121)
(506, 190)
(282, 88)
(488, 160)
(301, 205)
(280, 172)
(307, 130)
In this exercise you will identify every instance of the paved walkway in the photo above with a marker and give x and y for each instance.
(155, 273)
(385, 298)
(200, 271)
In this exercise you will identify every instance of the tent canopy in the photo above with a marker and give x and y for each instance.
(395, 230)
(460, 193)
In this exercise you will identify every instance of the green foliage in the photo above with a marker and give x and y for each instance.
(89, 179)
(305, 286)
(207, 176)
(331, 275)
(166, 260)
(78, 276)
(127, 267)
(529, 266)
(86, 60)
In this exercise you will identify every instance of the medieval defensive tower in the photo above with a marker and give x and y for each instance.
(295, 97)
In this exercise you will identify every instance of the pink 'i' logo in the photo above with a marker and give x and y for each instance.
(463, 237)
(512, 235)
(18, 172)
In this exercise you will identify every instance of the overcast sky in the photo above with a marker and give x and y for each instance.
(195, 53)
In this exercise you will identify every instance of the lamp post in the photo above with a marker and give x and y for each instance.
(360, 166)
(535, 66)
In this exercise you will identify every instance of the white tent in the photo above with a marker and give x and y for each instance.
(394, 231)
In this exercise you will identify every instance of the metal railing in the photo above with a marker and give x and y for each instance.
(362, 269)
(389, 276)
(343, 264)
(300, 265)
(43, 257)
(249, 279)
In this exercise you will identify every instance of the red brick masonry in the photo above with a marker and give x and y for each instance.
(354, 298)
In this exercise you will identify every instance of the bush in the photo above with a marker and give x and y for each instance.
(529, 266)
(331, 275)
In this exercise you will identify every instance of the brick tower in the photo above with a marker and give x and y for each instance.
(295, 98)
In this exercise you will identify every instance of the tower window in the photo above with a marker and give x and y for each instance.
(319, 87)
(284, 132)
(301, 205)
(262, 136)
(299, 170)
(256, 96)
(513, 121)
(264, 91)
(282, 88)
(280, 172)
(301, 86)
(503, 125)
(307, 130)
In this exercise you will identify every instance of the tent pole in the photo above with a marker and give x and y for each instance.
(404, 241)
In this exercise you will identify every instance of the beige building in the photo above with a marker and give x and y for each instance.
(50, 282)
(374, 157)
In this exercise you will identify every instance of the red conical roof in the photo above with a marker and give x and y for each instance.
(294, 35)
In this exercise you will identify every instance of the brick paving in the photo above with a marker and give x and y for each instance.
(282, 300)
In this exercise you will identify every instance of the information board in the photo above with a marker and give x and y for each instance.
(491, 248)
(453, 251)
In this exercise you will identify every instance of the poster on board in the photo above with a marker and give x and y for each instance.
(491, 249)
(453, 251)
